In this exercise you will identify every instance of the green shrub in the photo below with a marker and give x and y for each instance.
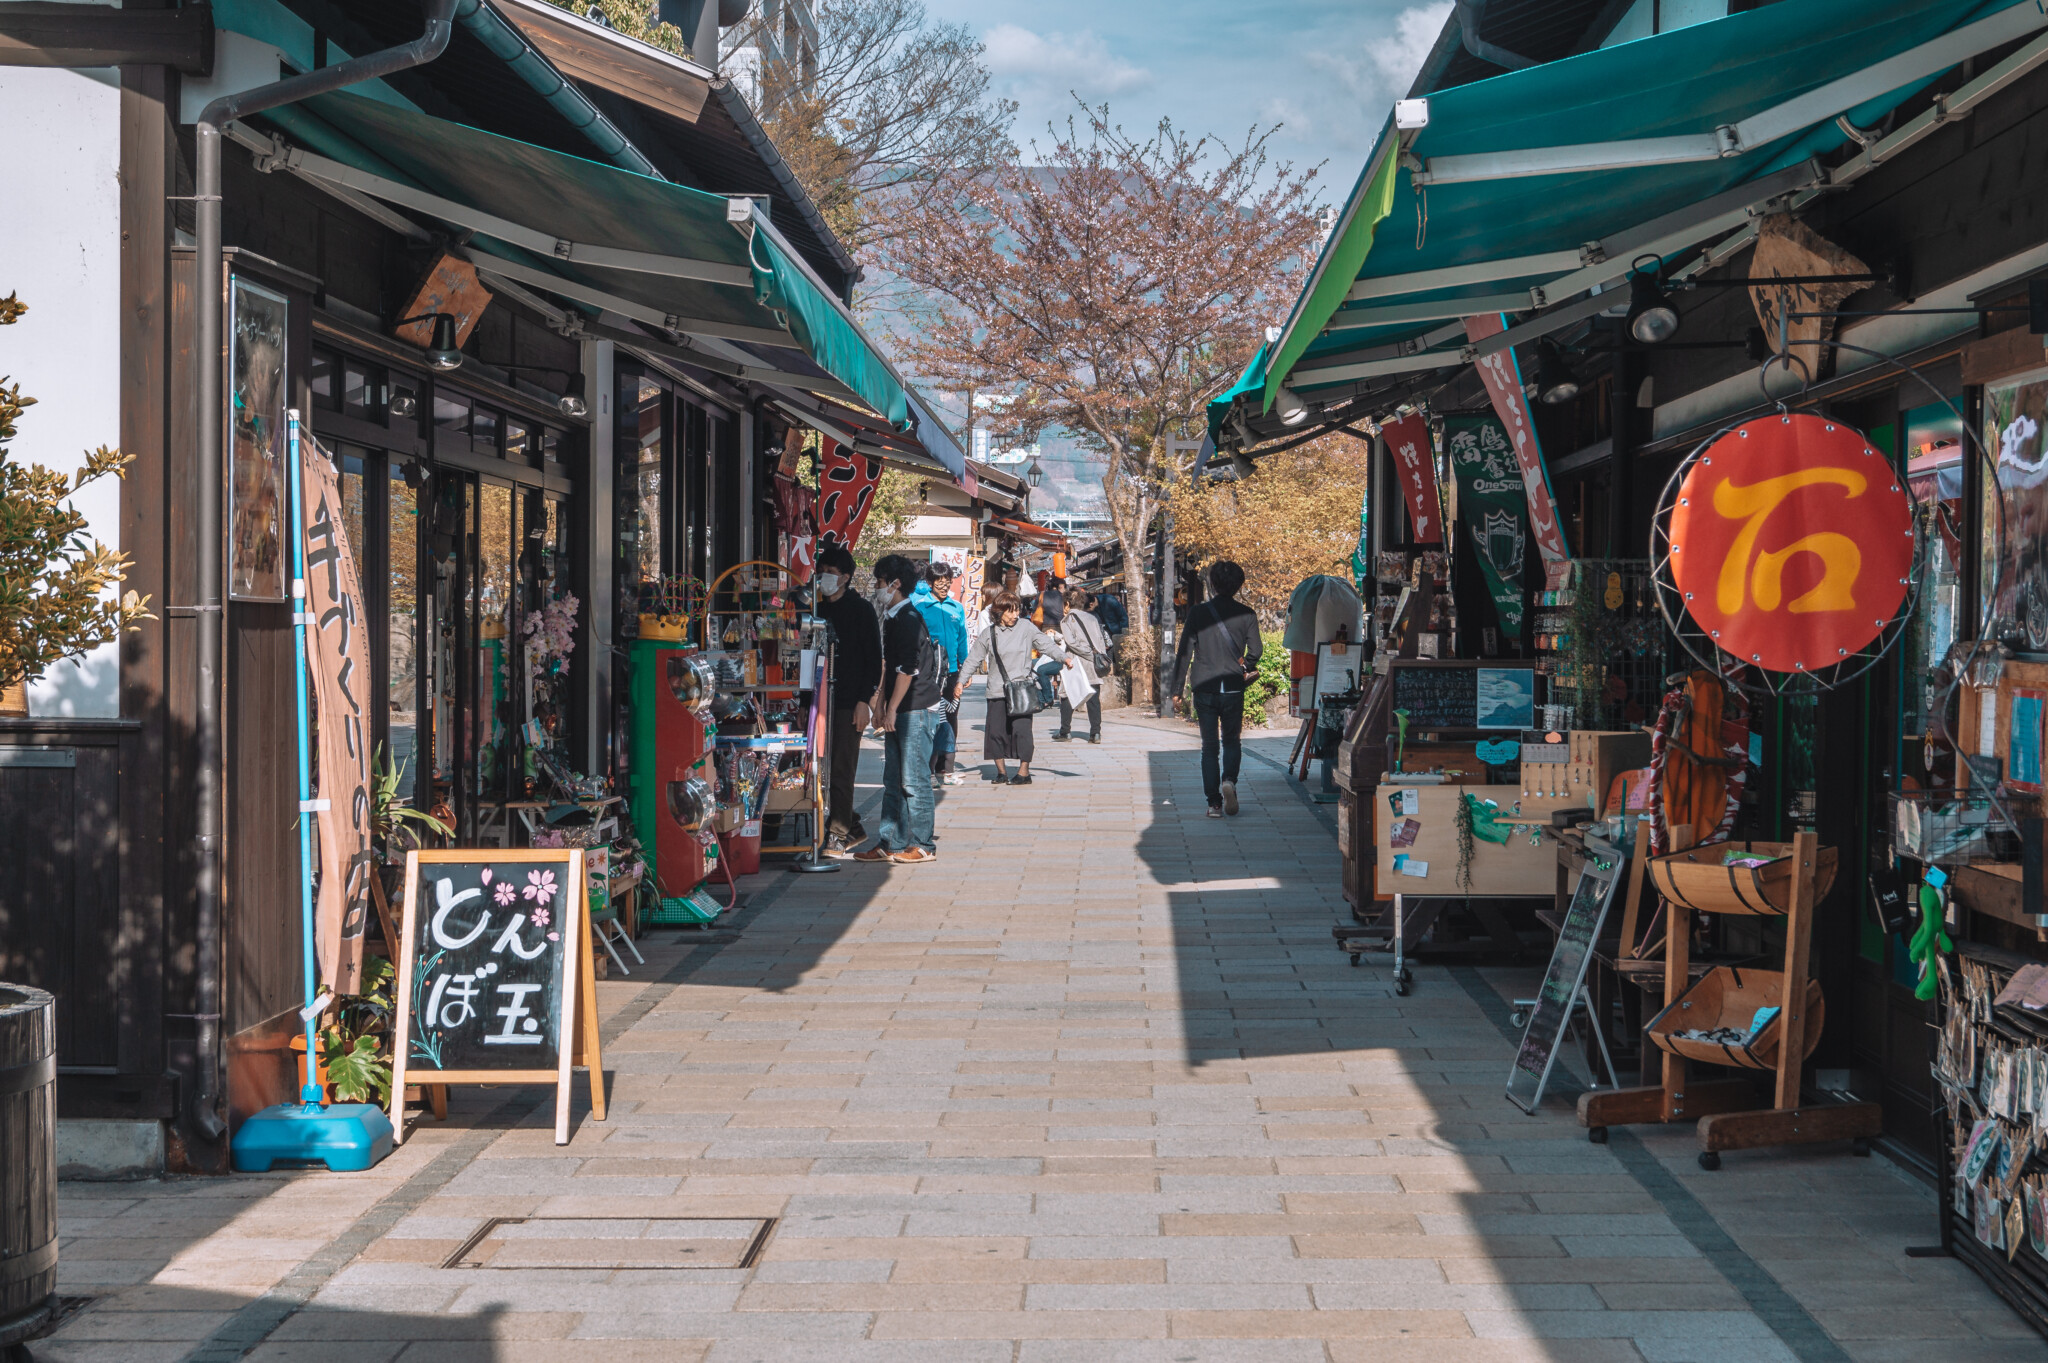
(1270, 681)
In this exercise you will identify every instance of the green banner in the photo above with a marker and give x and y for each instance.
(1361, 557)
(1491, 503)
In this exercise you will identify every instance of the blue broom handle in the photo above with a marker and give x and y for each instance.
(312, 1092)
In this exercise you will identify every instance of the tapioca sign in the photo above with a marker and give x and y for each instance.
(495, 984)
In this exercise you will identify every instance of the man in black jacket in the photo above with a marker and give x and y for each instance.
(906, 711)
(856, 672)
(1218, 654)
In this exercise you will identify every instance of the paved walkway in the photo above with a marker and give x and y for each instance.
(1095, 1086)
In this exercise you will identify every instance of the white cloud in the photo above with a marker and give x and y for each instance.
(1081, 61)
(1401, 56)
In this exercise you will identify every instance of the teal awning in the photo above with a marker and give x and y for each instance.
(1542, 185)
(662, 253)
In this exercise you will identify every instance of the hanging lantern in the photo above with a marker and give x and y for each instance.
(1791, 546)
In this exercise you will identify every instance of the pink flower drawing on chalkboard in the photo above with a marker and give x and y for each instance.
(505, 893)
(540, 886)
(540, 918)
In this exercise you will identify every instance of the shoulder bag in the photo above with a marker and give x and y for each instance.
(1020, 696)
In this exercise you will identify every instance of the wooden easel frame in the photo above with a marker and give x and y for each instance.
(580, 1043)
(1725, 1109)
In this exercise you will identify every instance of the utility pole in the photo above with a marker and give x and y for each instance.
(1167, 574)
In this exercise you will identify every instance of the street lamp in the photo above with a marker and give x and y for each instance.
(1034, 475)
(1555, 381)
(1651, 318)
(1288, 406)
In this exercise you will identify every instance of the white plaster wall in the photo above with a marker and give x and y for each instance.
(60, 251)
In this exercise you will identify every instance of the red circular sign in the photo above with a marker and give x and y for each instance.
(1791, 543)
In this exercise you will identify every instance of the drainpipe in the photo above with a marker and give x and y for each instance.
(212, 284)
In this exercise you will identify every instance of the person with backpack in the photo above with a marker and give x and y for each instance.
(1005, 647)
(906, 708)
(947, 621)
(1218, 655)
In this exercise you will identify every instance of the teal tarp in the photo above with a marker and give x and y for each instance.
(1692, 80)
(600, 205)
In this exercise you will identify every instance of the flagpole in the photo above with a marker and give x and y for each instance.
(312, 1093)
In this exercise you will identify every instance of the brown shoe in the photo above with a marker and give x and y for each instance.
(913, 856)
(875, 854)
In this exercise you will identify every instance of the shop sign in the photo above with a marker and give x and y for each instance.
(1490, 500)
(1503, 379)
(340, 647)
(1792, 543)
(1415, 465)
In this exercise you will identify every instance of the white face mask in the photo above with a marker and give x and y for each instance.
(828, 583)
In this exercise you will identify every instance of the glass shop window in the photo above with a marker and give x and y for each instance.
(451, 413)
(518, 443)
(402, 607)
(550, 446)
(483, 430)
(362, 390)
(326, 389)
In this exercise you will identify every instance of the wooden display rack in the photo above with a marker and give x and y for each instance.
(1787, 888)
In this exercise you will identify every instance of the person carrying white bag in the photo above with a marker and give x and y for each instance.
(1088, 641)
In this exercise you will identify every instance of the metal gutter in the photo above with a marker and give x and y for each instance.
(208, 676)
(508, 45)
(757, 137)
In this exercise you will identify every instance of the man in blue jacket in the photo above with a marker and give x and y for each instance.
(947, 621)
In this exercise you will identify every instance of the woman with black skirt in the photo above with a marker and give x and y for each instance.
(1005, 648)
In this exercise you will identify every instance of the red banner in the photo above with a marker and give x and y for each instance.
(1503, 380)
(340, 644)
(846, 490)
(1408, 441)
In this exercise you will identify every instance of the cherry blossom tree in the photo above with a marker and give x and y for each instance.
(1111, 289)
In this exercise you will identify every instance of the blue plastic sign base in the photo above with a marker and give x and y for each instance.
(346, 1137)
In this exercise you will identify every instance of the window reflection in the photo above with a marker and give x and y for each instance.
(402, 606)
(494, 709)
(451, 412)
(483, 429)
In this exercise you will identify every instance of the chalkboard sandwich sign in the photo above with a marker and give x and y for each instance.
(495, 984)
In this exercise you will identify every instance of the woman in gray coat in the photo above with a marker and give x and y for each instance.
(1086, 639)
(1005, 647)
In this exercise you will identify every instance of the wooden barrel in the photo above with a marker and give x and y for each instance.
(28, 1166)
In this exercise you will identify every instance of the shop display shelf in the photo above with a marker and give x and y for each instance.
(1700, 878)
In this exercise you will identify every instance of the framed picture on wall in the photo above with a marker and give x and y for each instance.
(258, 325)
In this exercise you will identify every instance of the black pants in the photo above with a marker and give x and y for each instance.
(1094, 704)
(1221, 718)
(844, 741)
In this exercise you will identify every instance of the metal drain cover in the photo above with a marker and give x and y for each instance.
(614, 1242)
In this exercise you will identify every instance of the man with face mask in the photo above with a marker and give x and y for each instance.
(856, 672)
(908, 709)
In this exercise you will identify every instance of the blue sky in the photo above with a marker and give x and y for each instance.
(1327, 70)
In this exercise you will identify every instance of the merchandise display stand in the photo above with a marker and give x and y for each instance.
(1788, 885)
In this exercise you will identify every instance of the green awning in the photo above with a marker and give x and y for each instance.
(660, 252)
(1543, 185)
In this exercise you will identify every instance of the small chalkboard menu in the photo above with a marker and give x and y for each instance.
(1464, 694)
(495, 982)
(1552, 1013)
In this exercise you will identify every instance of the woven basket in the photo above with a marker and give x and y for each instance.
(1697, 879)
(1729, 997)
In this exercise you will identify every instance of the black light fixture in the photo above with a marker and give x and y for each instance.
(404, 404)
(571, 402)
(1651, 318)
(1034, 475)
(1555, 381)
(443, 354)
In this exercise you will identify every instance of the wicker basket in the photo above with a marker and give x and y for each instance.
(1729, 997)
(1698, 879)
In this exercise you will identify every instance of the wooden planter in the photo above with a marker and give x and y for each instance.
(1698, 879)
(1728, 997)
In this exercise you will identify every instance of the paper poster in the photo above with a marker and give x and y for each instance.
(2023, 744)
(1987, 723)
(1404, 801)
(1408, 866)
(1402, 832)
(1337, 669)
(1507, 698)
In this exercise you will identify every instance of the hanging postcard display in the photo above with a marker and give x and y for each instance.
(1490, 499)
(257, 327)
(2015, 413)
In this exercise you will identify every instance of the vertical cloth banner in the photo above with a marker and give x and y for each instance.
(1361, 555)
(846, 492)
(1503, 380)
(340, 665)
(1490, 501)
(1415, 464)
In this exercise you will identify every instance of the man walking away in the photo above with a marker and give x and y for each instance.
(1218, 654)
(856, 672)
(906, 711)
(1087, 641)
(947, 621)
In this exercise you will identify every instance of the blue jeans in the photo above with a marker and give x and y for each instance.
(907, 805)
(1221, 718)
(1048, 671)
